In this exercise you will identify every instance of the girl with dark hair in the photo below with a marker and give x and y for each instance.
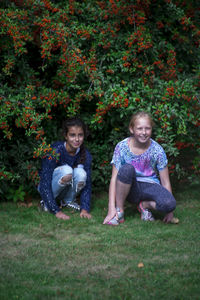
(69, 174)
(140, 175)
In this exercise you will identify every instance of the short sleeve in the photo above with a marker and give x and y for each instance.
(117, 159)
(162, 160)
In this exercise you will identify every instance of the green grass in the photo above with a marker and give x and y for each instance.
(42, 257)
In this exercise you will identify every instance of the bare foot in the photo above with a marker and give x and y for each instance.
(61, 215)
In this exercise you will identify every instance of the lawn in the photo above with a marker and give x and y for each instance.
(42, 257)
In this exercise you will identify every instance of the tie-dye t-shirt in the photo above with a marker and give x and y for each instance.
(147, 165)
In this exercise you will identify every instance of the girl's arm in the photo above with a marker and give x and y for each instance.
(87, 190)
(165, 181)
(45, 190)
(164, 178)
(112, 194)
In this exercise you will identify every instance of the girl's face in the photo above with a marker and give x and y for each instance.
(74, 138)
(141, 130)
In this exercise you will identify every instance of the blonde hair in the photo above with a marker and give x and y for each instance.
(140, 114)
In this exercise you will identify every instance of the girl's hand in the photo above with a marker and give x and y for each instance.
(109, 216)
(168, 218)
(61, 215)
(85, 214)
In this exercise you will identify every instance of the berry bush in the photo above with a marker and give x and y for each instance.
(102, 60)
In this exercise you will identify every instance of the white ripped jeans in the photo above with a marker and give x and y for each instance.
(66, 192)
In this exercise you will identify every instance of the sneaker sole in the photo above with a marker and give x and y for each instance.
(111, 224)
(70, 206)
(147, 220)
(120, 222)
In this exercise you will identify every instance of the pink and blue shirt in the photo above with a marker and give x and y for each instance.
(147, 165)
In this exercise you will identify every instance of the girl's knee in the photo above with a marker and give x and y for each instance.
(64, 170)
(79, 186)
(63, 174)
(66, 179)
(80, 175)
(172, 205)
(167, 206)
(126, 174)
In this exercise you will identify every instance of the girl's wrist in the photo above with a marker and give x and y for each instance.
(111, 209)
(84, 210)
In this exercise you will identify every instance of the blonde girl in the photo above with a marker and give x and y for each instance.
(140, 175)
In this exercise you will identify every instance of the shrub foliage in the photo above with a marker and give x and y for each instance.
(102, 60)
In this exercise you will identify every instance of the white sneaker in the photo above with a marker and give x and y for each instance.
(72, 204)
(43, 206)
(146, 215)
(117, 220)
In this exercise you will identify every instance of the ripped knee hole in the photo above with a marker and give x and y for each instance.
(67, 179)
(80, 185)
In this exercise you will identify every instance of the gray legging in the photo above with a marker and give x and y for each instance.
(144, 191)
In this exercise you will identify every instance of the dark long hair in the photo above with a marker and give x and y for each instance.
(76, 121)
